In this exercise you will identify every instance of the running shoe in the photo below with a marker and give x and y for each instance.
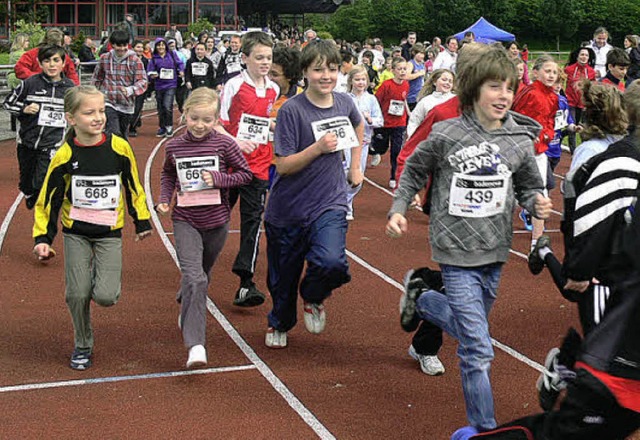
(275, 338)
(315, 317)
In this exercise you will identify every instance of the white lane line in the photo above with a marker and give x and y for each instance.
(519, 356)
(7, 219)
(111, 379)
(307, 416)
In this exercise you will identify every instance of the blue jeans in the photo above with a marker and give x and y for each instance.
(463, 313)
(323, 245)
(164, 103)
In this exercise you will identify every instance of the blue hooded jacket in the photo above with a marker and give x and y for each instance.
(161, 67)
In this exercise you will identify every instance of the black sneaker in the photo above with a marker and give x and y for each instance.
(133, 133)
(30, 201)
(413, 288)
(80, 360)
(248, 296)
(536, 264)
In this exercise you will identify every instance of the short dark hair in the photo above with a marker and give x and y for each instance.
(319, 51)
(289, 59)
(346, 56)
(119, 37)
(618, 57)
(46, 52)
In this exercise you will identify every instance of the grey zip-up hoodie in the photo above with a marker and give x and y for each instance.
(462, 146)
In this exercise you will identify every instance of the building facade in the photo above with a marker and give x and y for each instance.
(95, 18)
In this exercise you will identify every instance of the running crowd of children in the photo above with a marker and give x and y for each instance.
(287, 133)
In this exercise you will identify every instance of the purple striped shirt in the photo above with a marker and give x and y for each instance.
(233, 171)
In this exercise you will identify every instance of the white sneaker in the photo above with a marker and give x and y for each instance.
(180, 321)
(430, 365)
(375, 160)
(350, 217)
(314, 317)
(197, 357)
(275, 338)
(393, 184)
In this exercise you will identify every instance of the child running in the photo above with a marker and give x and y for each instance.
(540, 102)
(90, 179)
(479, 163)
(392, 97)
(358, 84)
(199, 166)
(246, 102)
(306, 215)
(38, 104)
(437, 89)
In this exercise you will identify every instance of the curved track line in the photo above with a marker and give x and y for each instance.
(7, 219)
(307, 416)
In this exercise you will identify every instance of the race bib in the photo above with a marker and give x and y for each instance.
(478, 196)
(341, 126)
(199, 69)
(51, 116)
(396, 108)
(253, 128)
(166, 73)
(561, 119)
(234, 67)
(96, 192)
(193, 189)
(95, 199)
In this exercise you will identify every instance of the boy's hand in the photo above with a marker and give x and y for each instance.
(162, 208)
(142, 235)
(31, 109)
(355, 177)
(577, 286)
(396, 226)
(328, 143)
(247, 147)
(543, 206)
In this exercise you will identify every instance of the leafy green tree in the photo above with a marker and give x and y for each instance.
(34, 30)
(202, 24)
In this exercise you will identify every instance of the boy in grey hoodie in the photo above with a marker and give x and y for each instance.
(480, 163)
(121, 76)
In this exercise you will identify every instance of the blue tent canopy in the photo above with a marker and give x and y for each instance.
(487, 33)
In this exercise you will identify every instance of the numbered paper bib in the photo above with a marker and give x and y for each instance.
(166, 73)
(396, 108)
(561, 119)
(95, 199)
(194, 190)
(51, 116)
(478, 196)
(199, 69)
(341, 126)
(253, 128)
(234, 67)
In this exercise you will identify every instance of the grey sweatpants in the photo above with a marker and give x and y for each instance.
(197, 252)
(93, 270)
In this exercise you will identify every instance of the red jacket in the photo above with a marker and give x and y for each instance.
(28, 66)
(391, 90)
(576, 73)
(540, 103)
(441, 112)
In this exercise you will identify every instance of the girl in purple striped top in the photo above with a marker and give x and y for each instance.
(199, 168)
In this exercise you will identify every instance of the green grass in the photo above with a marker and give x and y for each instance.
(4, 58)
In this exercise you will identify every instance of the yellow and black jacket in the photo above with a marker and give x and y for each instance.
(112, 156)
